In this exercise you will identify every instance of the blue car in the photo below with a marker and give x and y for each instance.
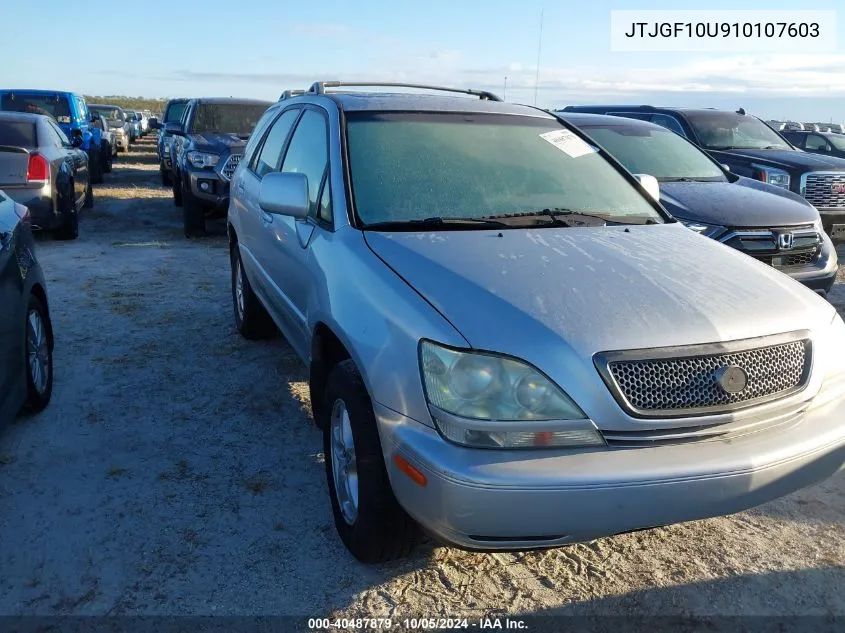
(71, 113)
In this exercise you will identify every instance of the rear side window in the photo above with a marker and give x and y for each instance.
(669, 122)
(18, 134)
(55, 106)
(257, 134)
(174, 112)
(271, 153)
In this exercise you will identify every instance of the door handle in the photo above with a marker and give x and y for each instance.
(240, 188)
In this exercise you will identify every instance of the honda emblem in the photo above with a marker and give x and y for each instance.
(785, 241)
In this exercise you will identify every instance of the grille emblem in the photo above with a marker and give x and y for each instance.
(785, 241)
(838, 187)
(731, 379)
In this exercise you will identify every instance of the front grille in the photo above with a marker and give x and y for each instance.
(671, 386)
(230, 165)
(824, 189)
(762, 244)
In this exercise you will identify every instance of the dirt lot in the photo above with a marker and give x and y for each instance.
(177, 472)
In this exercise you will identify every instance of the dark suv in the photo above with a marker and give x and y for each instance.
(749, 147)
(173, 112)
(208, 144)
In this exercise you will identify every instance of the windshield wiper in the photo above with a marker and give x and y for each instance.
(446, 223)
(568, 217)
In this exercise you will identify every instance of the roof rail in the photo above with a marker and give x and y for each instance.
(319, 87)
(288, 94)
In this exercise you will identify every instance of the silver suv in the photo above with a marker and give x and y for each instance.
(510, 344)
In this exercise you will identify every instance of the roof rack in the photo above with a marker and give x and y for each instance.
(319, 87)
(288, 94)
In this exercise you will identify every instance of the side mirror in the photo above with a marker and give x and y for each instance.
(153, 123)
(650, 184)
(284, 194)
(76, 140)
(174, 129)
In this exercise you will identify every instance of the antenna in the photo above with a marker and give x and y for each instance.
(505, 91)
(539, 49)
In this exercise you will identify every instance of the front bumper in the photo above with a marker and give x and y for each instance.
(821, 274)
(210, 188)
(500, 500)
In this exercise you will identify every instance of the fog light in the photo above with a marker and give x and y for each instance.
(204, 186)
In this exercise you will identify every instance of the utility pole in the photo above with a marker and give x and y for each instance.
(539, 49)
(505, 93)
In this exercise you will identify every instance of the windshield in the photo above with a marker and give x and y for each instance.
(655, 151)
(231, 118)
(51, 105)
(413, 166)
(174, 112)
(728, 130)
(111, 114)
(17, 133)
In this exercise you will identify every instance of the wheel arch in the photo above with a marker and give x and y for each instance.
(327, 350)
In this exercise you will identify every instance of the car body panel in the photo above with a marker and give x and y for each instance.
(554, 297)
(20, 274)
(67, 165)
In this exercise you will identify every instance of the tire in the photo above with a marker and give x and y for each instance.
(251, 318)
(69, 230)
(105, 152)
(379, 529)
(175, 181)
(95, 168)
(38, 356)
(193, 217)
(89, 197)
(166, 180)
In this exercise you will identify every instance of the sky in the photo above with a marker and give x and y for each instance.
(257, 49)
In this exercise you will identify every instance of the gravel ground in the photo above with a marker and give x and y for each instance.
(177, 472)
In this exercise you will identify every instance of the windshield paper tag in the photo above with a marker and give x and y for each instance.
(568, 143)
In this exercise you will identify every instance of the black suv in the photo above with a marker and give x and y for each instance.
(749, 147)
(825, 143)
(172, 114)
(208, 144)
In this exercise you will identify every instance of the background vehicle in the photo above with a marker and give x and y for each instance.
(509, 388)
(118, 124)
(772, 225)
(134, 125)
(173, 112)
(70, 112)
(26, 332)
(826, 143)
(142, 118)
(811, 127)
(41, 169)
(751, 148)
(211, 140)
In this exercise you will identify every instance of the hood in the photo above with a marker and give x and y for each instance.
(783, 158)
(744, 203)
(588, 290)
(218, 143)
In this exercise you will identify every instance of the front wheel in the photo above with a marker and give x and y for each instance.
(175, 183)
(193, 216)
(39, 356)
(166, 180)
(370, 521)
(251, 318)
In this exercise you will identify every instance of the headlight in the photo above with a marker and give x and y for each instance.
(202, 159)
(831, 347)
(708, 230)
(165, 149)
(771, 175)
(491, 401)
